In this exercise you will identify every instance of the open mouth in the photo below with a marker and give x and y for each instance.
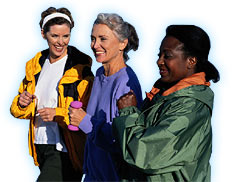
(98, 53)
(163, 71)
(59, 48)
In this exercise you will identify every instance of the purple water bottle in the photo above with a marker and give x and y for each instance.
(75, 105)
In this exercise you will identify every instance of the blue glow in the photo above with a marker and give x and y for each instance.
(21, 40)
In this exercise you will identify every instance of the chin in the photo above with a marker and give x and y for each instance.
(100, 60)
(57, 54)
(163, 79)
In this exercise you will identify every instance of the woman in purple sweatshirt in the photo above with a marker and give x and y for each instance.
(111, 40)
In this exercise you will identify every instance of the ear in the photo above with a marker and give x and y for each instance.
(123, 44)
(192, 61)
(42, 34)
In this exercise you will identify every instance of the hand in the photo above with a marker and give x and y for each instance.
(25, 99)
(127, 100)
(47, 114)
(76, 116)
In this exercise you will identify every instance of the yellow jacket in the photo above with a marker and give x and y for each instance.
(76, 84)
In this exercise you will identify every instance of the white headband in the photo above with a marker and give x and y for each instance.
(55, 15)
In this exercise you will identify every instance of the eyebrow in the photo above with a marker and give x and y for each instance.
(57, 33)
(100, 36)
(179, 47)
(165, 49)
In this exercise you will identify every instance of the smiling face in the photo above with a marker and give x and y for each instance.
(173, 64)
(58, 38)
(106, 46)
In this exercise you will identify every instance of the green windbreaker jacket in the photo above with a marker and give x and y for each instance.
(170, 140)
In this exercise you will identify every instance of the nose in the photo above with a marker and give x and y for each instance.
(60, 40)
(94, 44)
(160, 61)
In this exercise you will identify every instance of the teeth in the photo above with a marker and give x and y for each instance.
(99, 52)
(58, 47)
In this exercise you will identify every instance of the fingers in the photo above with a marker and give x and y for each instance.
(74, 122)
(26, 98)
(127, 96)
(127, 100)
(47, 114)
(130, 93)
(73, 113)
(73, 116)
(76, 115)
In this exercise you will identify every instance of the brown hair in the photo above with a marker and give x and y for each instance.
(57, 20)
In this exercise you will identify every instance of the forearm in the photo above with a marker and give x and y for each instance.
(20, 112)
(161, 144)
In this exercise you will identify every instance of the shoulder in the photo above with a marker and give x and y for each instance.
(179, 112)
(127, 78)
(34, 65)
(100, 71)
(129, 71)
(127, 75)
(185, 104)
(201, 93)
(39, 56)
(126, 81)
(35, 60)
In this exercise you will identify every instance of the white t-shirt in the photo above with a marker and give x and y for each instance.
(47, 95)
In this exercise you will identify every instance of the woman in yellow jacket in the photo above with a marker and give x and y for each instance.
(54, 78)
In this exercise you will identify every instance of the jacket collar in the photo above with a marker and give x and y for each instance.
(195, 79)
(75, 57)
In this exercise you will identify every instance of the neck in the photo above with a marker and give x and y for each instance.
(54, 58)
(163, 85)
(113, 67)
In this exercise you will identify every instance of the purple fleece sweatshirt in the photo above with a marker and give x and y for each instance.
(100, 145)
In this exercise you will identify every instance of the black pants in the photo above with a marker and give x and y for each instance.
(54, 165)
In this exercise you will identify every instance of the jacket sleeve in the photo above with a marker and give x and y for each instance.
(28, 84)
(164, 142)
(83, 89)
(16, 110)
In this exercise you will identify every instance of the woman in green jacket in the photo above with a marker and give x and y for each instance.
(170, 139)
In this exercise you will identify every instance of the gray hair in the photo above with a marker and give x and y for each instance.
(115, 23)
(123, 30)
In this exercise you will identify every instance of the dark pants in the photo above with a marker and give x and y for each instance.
(54, 165)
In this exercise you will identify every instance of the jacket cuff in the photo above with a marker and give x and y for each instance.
(61, 116)
(21, 108)
(128, 110)
(61, 111)
(86, 125)
(129, 117)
